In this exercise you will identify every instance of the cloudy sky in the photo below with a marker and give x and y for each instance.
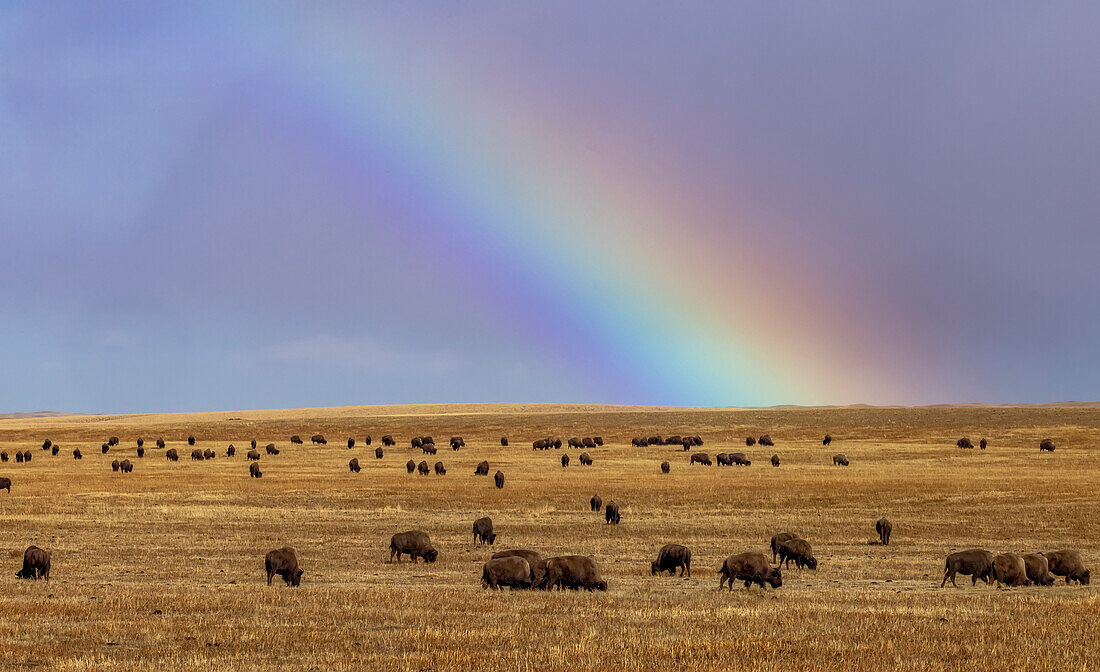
(706, 203)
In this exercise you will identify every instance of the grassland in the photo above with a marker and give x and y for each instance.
(162, 568)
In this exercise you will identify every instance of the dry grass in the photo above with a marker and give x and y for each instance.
(162, 568)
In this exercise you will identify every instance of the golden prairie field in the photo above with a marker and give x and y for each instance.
(162, 569)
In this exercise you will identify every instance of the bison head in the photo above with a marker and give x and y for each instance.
(1085, 577)
(775, 578)
(600, 585)
(296, 578)
(430, 554)
(811, 562)
(492, 538)
(654, 568)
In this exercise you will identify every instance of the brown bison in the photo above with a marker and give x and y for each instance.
(827, 440)
(638, 442)
(740, 460)
(587, 442)
(457, 442)
(5, 484)
(1038, 569)
(574, 442)
(378, 453)
(964, 443)
(253, 455)
(611, 513)
(190, 440)
(975, 562)
(172, 455)
(284, 562)
(751, 567)
(112, 441)
(230, 451)
(27, 456)
(482, 468)
(410, 466)
(36, 564)
(3, 456)
(126, 466)
(766, 440)
(428, 448)
(798, 550)
(534, 560)
(105, 448)
(388, 440)
(498, 479)
(366, 440)
(700, 458)
(197, 454)
(983, 444)
(483, 531)
(1046, 446)
(598, 440)
(1009, 570)
(77, 455)
(586, 459)
(271, 449)
(596, 503)
(775, 460)
(114, 465)
(18, 457)
(140, 452)
(565, 460)
(723, 460)
(778, 540)
(252, 444)
(423, 468)
(140, 443)
(414, 544)
(55, 449)
(440, 470)
(351, 443)
(504, 440)
(294, 440)
(671, 557)
(665, 467)
(884, 528)
(353, 465)
(750, 441)
(840, 459)
(47, 444)
(572, 571)
(160, 443)
(1068, 563)
(318, 439)
(209, 454)
(512, 571)
(254, 470)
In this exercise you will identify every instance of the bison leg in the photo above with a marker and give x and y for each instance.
(269, 575)
(947, 574)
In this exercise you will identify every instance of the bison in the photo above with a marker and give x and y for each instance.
(410, 466)
(457, 442)
(230, 451)
(504, 440)
(423, 468)
(172, 455)
(574, 442)
(775, 460)
(778, 540)
(964, 443)
(750, 441)
(27, 456)
(766, 440)
(353, 465)
(271, 449)
(3, 456)
(160, 444)
(440, 470)
(253, 455)
(284, 562)
(197, 454)
(105, 448)
(36, 564)
(414, 544)
(840, 459)
(482, 468)
(975, 562)
(572, 571)
(252, 444)
(798, 550)
(294, 440)
(77, 454)
(126, 466)
(254, 470)
(47, 444)
(190, 440)
(114, 465)
(1068, 563)
(5, 484)
(428, 449)
(112, 441)
(671, 557)
(208, 454)
(596, 503)
(512, 571)
(140, 452)
(740, 460)
(1046, 446)
(483, 531)
(700, 458)
(351, 443)
(140, 443)
(388, 440)
(665, 467)
(366, 440)
(586, 459)
(884, 528)
(983, 444)
(534, 560)
(565, 460)
(827, 440)
(318, 439)
(1009, 570)
(611, 513)
(498, 479)
(1038, 569)
(751, 567)
(378, 453)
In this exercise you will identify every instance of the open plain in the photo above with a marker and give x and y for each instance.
(162, 568)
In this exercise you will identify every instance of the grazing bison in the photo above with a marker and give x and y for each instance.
(775, 460)
(751, 567)
(428, 448)
(190, 440)
(538, 444)
(416, 442)
(5, 484)
(511, 571)
(440, 470)
(47, 444)
(534, 560)
(414, 544)
(388, 440)
(1009, 570)
(884, 528)
(766, 440)
(197, 454)
(671, 557)
(665, 467)
(638, 442)
(504, 440)
(1038, 569)
(482, 468)
(410, 466)
(105, 448)
(114, 466)
(964, 443)
(750, 441)
(975, 562)
(778, 540)
(27, 456)
(140, 452)
(126, 466)
(457, 442)
(36, 564)
(654, 441)
(983, 444)
(172, 455)
(230, 451)
(254, 470)
(827, 440)
(565, 460)
(378, 452)
(77, 454)
(586, 459)
(572, 571)
(252, 444)
(351, 443)
(160, 443)
(1068, 563)
(1046, 446)
(798, 550)
(284, 562)
(723, 460)
(294, 440)
(840, 459)
(498, 479)
(587, 442)
(483, 531)
(353, 466)
(140, 443)
(423, 468)
(209, 454)
(112, 441)
(366, 440)
(611, 513)
(596, 503)
(574, 442)
(271, 449)
(3, 457)
(253, 454)
(700, 458)
(598, 440)
(318, 439)
(740, 460)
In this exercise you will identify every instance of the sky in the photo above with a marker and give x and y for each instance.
(215, 206)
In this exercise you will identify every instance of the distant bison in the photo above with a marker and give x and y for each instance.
(766, 440)
(284, 562)
(665, 467)
(586, 459)
(160, 443)
(700, 458)
(482, 468)
(884, 528)
(565, 460)
(975, 563)
(36, 564)
(270, 449)
(414, 544)
(294, 440)
(428, 448)
(388, 440)
(252, 444)
(798, 550)
(670, 558)
(750, 441)
(598, 440)
(112, 441)
(318, 438)
(498, 479)
(208, 454)
(353, 465)
(1038, 569)
(440, 470)
(140, 452)
(378, 452)
(351, 443)
(197, 454)
(775, 460)
(5, 484)
(483, 531)
(1046, 446)
(141, 443)
(105, 448)
(575, 572)
(504, 440)
(254, 470)
(964, 443)
(778, 540)
(47, 444)
(1068, 563)
(172, 455)
(230, 451)
(595, 503)
(366, 440)
(114, 466)
(423, 468)
(827, 440)
(126, 466)
(410, 466)
(511, 571)
(751, 567)
(3, 456)
(27, 456)
(1009, 570)
(534, 560)
(253, 454)
(190, 440)
(639, 442)
(77, 454)
(840, 459)
(983, 444)
(740, 460)
(457, 442)
(611, 514)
